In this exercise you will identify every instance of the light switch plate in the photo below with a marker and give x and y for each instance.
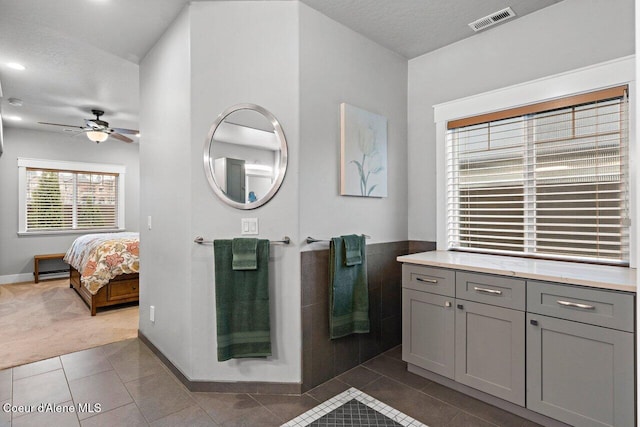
(249, 226)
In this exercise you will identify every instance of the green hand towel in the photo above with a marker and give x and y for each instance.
(352, 250)
(245, 255)
(348, 292)
(242, 304)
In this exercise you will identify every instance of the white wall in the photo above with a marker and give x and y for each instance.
(245, 51)
(339, 65)
(299, 65)
(16, 252)
(568, 35)
(165, 163)
(636, 117)
(215, 55)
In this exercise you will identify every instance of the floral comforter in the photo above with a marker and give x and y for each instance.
(101, 257)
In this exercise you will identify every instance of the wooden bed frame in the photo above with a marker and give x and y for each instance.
(119, 290)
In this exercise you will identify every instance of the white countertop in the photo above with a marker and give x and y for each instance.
(598, 276)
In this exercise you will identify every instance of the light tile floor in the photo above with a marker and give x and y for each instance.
(135, 389)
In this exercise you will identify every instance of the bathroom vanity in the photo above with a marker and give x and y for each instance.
(531, 336)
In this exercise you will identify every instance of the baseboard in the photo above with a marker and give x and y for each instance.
(253, 387)
(10, 279)
(16, 278)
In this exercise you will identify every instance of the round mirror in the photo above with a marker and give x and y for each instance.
(245, 156)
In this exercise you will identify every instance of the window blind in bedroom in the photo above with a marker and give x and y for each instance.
(70, 200)
(548, 180)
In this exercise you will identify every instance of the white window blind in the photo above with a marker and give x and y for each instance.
(548, 180)
(58, 200)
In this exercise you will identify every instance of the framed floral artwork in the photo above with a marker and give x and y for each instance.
(363, 153)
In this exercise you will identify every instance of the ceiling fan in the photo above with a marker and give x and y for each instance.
(98, 130)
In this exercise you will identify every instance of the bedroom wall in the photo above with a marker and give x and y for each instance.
(339, 65)
(16, 252)
(568, 35)
(165, 156)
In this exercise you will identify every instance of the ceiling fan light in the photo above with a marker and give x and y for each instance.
(97, 136)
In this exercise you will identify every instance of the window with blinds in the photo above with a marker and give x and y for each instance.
(59, 200)
(547, 180)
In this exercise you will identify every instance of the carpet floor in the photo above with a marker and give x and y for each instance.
(47, 319)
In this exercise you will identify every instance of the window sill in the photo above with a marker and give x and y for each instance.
(66, 232)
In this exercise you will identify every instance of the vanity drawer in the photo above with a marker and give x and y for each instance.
(439, 281)
(491, 289)
(610, 309)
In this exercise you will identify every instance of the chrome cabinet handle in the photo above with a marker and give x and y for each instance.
(488, 291)
(447, 303)
(420, 279)
(576, 305)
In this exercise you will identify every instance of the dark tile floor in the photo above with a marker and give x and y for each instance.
(135, 389)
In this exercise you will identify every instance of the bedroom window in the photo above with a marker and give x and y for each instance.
(548, 180)
(69, 196)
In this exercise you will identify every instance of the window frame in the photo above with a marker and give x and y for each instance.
(600, 76)
(62, 165)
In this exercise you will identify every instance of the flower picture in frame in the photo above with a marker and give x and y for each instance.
(363, 152)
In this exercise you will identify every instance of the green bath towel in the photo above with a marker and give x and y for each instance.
(348, 292)
(245, 254)
(352, 250)
(242, 304)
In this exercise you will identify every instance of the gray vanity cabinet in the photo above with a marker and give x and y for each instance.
(428, 318)
(477, 344)
(490, 349)
(577, 372)
(540, 348)
(428, 331)
(490, 342)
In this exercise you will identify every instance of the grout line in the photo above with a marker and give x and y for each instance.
(268, 410)
(305, 394)
(363, 385)
(205, 411)
(133, 400)
(69, 388)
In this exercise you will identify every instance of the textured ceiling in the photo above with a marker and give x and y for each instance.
(414, 27)
(79, 54)
(84, 54)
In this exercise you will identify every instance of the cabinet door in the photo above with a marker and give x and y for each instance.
(490, 350)
(428, 331)
(580, 374)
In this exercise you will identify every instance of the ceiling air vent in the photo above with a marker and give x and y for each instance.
(494, 18)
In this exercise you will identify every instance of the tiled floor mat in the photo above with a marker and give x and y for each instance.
(353, 408)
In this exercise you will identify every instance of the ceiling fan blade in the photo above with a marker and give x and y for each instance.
(121, 137)
(59, 124)
(126, 131)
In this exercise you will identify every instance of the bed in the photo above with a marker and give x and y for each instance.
(104, 268)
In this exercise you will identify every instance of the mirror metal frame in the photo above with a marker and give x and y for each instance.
(283, 157)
